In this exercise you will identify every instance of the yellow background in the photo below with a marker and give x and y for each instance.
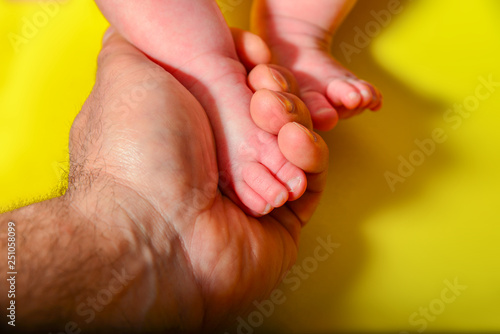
(396, 248)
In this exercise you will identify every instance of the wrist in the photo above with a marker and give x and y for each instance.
(117, 218)
(141, 243)
(74, 269)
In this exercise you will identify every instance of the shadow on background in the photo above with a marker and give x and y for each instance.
(362, 150)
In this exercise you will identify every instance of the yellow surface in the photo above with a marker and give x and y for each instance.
(397, 248)
(47, 67)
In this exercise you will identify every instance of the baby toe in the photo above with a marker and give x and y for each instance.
(366, 92)
(251, 200)
(262, 182)
(377, 97)
(342, 92)
(294, 179)
(371, 95)
(323, 115)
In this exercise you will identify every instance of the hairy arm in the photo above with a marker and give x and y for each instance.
(76, 270)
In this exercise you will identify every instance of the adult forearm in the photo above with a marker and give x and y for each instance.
(73, 270)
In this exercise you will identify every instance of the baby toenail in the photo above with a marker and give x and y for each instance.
(280, 200)
(365, 93)
(285, 101)
(293, 184)
(267, 209)
(354, 96)
(325, 111)
(279, 78)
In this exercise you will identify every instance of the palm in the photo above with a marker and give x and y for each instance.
(163, 154)
(227, 249)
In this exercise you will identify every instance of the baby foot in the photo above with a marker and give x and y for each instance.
(326, 86)
(325, 83)
(253, 171)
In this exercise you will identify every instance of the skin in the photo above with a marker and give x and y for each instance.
(191, 40)
(299, 34)
(143, 239)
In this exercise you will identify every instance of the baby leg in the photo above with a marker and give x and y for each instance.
(191, 40)
(299, 33)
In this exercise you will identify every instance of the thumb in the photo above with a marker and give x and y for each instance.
(118, 56)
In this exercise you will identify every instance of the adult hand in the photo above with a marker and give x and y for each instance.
(143, 239)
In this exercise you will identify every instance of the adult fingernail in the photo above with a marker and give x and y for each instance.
(285, 101)
(306, 130)
(279, 78)
(293, 184)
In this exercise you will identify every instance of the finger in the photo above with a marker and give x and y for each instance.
(251, 49)
(272, 77)
(272, 110)
(308, 151)
(304, 148)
